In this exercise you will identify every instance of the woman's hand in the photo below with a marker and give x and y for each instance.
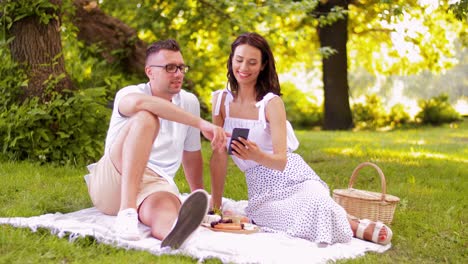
(246, 149)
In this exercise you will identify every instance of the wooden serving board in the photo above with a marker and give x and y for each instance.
(255, 230)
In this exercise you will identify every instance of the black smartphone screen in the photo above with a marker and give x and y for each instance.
(236, 133)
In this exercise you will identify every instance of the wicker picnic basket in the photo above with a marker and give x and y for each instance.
(366, 204)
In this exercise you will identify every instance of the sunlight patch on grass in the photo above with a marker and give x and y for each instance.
(418, 142)
(419, 154)
(429, 155)
(406, 157)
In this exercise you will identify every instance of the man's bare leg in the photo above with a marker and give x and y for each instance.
(189, 218)
(129, 154)
(159, 211)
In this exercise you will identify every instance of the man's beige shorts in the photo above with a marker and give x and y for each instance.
(104, 186)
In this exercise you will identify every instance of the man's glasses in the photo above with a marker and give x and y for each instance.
(172, 68)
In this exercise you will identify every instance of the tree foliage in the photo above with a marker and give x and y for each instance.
(206, 28)
(404, 37)
(401, 37)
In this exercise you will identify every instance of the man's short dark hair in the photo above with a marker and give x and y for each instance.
(168, 44)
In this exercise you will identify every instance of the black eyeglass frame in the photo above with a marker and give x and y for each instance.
(182, 68)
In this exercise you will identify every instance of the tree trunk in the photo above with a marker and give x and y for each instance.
(38, 47)
(119, 42)
(337, 111)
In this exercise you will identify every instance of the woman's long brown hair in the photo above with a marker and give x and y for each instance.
(268, 78)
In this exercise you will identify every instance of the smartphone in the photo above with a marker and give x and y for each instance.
(236, 133)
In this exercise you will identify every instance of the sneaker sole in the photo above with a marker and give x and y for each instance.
(191, 215)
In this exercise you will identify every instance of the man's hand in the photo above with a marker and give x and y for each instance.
(215, 134)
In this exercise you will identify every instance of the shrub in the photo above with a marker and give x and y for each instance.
(68, 130)
(398, 116)
(369, 115)
(437, 110)
(12, 82)
(300, 108)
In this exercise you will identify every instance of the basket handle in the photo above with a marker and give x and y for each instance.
(382, 176)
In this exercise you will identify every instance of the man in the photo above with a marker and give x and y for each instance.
(154, 128)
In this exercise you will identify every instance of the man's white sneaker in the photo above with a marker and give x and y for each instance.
(126, 225)
(191, 214)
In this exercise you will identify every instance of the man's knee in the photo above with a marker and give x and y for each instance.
(162, 201)
(146, 119)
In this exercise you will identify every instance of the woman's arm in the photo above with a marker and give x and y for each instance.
(218, 170)
(276, 116)
(218, 161)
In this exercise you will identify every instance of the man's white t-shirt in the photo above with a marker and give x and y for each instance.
(173, 138)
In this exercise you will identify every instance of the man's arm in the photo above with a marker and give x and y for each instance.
(192, 162)
(134, 102)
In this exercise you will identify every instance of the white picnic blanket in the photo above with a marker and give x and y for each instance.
(203, 243)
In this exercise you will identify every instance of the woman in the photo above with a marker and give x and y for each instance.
(284, 193)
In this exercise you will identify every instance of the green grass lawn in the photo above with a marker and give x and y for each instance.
(426, 167)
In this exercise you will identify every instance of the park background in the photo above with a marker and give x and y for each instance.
(384, 81)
